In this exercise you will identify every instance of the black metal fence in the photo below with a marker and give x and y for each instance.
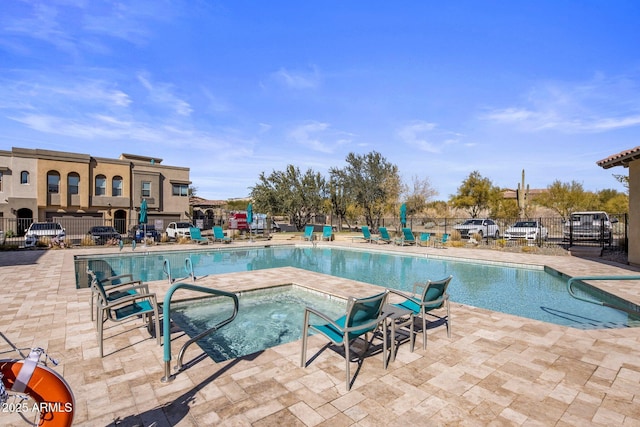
(612, 234)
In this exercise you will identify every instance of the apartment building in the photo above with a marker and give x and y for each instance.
(79, 189)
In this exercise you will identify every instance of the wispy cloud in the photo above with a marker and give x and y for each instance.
(309, 79)
(599, 105)
(162, 94)
(319, 137)
(426, 136)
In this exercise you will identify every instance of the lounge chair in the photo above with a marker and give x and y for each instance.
(384, 235)
(433, 295)
(441, 243)
(424, 239)
(327, 233)
(407, 238)
(196, 236)
(218, 235)
(123, 308)
(366, 235)
(308, 233)
(363, 315)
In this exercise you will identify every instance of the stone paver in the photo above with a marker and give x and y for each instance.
(496, 369)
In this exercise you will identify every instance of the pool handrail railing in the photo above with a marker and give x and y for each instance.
(571, 281)
(166, 323)
(188, 269)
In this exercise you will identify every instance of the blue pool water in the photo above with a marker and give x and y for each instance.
(526, 292)
(266, 318)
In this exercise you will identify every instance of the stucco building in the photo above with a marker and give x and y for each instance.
(45, 185)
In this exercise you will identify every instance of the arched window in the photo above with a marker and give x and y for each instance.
(53, 182)
(101, 185)
(24, 177)
(116, 187)
(73, 183)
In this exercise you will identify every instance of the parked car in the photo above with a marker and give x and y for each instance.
(102, 234)
(528, 230)
(36, 230)
(589, 225)
(148, 230)
(179, 229)
(483, 227)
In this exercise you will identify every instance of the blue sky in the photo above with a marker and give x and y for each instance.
(231, 89)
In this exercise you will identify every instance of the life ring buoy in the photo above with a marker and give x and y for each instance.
(52, 394)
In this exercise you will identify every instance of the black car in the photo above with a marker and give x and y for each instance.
(150, 230)
(102, 234)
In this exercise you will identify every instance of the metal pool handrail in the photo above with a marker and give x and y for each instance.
(166, 315)
(592, 278)
(166, 269)
(188, 269)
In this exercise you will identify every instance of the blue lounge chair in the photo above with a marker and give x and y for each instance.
(308, 233)
(327, 232)
(441, 243)
(124, 307)
(424, 240)
(433, 295)
(407, 238)
(384, 235)
(115, 287)
(363, 315)
(196, 236)
(366, 235)
(218, 235)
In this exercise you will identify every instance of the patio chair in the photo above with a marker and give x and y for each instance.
(115, 287)
(363, 315)
(441, 243)
(218, 235)
(327, 233)
(407, 238)
(308, 233)
(424, 239)
(196, 236)
(123, 308)
(384, 235)
(366, 235)
(433, 295)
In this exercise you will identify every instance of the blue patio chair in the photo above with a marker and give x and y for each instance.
(433, 295)
(363, 315)
(424, 239)
(308, 233)
(407, 238)
(218, 235)
(115, 287)
(327, 233)
(366, 235)
(443, 240)
(384, 235)
(124, 307)
(196, 236)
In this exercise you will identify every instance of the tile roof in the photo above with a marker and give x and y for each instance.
(621, 159)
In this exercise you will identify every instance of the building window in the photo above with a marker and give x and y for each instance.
(1, 176)
(53, 182)
(101, 185)
(180, 190)
(73, 183)
(24, 177)
(146, 189)
(116, 186)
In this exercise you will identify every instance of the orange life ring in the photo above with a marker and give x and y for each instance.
(53, 395)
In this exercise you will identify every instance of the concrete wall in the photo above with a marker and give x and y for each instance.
(634, 213)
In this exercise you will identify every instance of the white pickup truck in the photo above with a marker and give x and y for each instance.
(179, 229)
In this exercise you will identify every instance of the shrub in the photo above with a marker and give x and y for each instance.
(87, 240)
(455, 235)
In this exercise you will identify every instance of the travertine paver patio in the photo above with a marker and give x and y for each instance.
(496, 369)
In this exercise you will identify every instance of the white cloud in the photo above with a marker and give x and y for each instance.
(426, 136)
(162, 94)
(298, 79)
(319, 137)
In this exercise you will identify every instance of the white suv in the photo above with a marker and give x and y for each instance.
(42, 229)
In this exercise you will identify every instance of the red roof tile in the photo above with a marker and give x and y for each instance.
(621, 159)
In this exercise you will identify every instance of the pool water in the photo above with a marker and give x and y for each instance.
(266, 318)
(527, 292)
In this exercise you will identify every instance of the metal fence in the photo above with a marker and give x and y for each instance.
(558, 232)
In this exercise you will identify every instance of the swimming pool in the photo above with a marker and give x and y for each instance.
(527, 292)
(266, 318)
